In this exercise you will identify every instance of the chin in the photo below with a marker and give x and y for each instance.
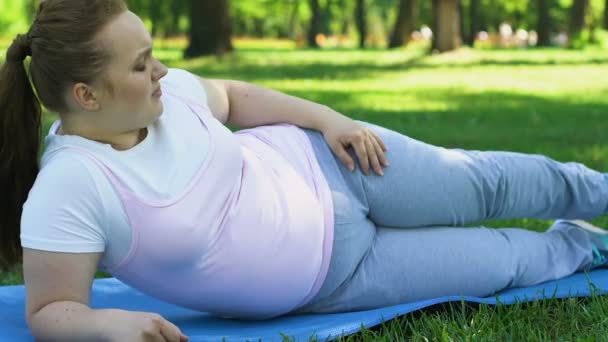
(159, 109)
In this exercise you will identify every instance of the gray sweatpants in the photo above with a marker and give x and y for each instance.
(400, 237)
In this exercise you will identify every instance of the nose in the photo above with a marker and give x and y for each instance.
(159, 71)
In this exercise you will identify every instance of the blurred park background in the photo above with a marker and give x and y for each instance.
(433, 69)
(521, 75)
(212, 25)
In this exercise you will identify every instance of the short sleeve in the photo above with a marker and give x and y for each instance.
(184, 83)
(64, 212)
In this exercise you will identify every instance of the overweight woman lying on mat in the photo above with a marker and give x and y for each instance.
(141, 178)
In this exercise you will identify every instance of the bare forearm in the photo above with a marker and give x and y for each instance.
(68, 321)
(252, 105)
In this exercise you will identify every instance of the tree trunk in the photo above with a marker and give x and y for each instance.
(345, 22)
(446, 25)
(360, 19)
(210, 28)
(176, 9)
(544, 22)
(327, 18)
(154, 11)
(315, 23)
(461, 28)
(474, 22)
(405, 24)
(606, 15)
(593, 31)
(293, 17)
(578, 12)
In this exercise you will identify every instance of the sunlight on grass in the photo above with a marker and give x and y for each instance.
(547, 101)
(267, 43)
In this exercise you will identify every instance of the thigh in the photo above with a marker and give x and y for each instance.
(423, 263)
(425, 185)
(428, 185)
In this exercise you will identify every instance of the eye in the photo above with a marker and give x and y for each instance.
(144, 64)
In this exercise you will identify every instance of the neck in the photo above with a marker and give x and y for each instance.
(119, 141)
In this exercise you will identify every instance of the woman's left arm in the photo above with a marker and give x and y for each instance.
(247, 105)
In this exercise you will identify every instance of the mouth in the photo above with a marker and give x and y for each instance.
(158, 92)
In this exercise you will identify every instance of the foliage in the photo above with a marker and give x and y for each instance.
(12, 17)
(548, 101)
(290, 18)
(163, 18)
(260, 18)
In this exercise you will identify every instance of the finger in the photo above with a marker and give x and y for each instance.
(383, 148)
(154, 330)
(344, 157)
(380, 152)
(361, 152)
(372, 156)
(170, 332)
(156, 338)
(380, 141)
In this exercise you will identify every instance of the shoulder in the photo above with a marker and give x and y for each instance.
(65, 172)
(64, 210)
(184, 83)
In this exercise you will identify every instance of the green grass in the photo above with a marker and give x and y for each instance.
(547, 101)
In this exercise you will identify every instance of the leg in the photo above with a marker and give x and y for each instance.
(432, 186)
(422, 263)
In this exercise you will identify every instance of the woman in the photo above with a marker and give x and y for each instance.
(140, 178)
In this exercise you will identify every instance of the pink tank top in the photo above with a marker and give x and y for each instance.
(249, 237)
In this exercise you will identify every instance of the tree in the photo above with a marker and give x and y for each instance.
(405, 24)
(578, 11)
(361, 22)
(31, 6)
(543, 26)
(315, 23)
(606, 15)
(474, 21)
(210, 28)
(446, 25)
(461, 28)
(327, 17)
(155, 13)
(293, 17)
(177, 9)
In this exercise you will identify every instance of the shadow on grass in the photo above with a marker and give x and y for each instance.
(562, 128)
(290, 65)
(565, 129)
(353, 71)
(547, 115)
(251, 70)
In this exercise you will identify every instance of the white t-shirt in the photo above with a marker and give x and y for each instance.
(73, 207)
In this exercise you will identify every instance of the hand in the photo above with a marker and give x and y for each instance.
(341, 132)
(141, 327)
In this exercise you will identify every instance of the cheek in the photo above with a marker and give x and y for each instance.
(134, 93)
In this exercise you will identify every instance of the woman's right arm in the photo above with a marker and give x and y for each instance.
(58, 288)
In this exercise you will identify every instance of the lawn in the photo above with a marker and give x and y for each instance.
(548, 101)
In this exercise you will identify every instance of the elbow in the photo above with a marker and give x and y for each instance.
(29, 316)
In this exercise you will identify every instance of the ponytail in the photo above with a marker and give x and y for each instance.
(62, 40)
(20, 137)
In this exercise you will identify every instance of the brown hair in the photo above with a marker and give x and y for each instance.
(64, 51)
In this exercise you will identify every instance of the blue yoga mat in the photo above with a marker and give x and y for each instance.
(110, 293)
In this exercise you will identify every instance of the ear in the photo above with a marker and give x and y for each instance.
(85, 96)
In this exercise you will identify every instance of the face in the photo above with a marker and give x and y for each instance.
(129, 96)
